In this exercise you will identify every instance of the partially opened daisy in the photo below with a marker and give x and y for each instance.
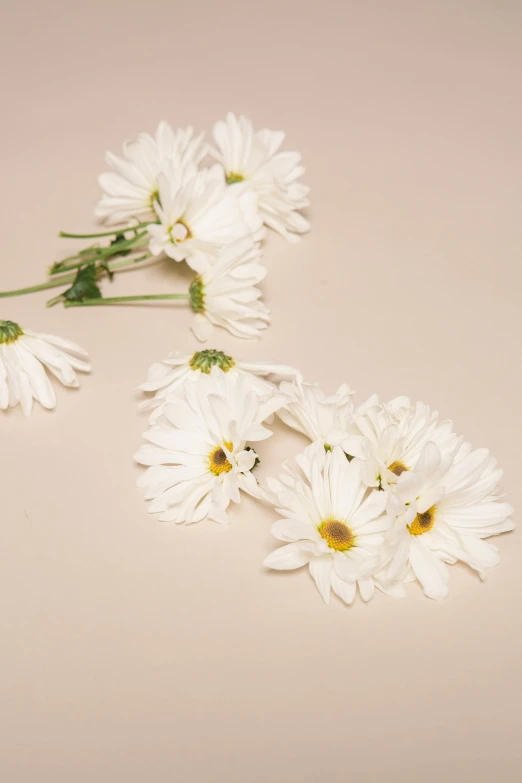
(27, 357)
(225, 294)
(318, 416)
(321, 417)
(199, 215)
(132, 188)
(445, 507)
(198, 454)
(389, 438)
(332, 523)
(254, 158)
(167, 378)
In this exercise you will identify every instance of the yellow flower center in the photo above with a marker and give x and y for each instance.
(154, 196)
(337, 535)
(397, 468)
(233, 177)
(422, 522)
(179, 232)
(218, 461)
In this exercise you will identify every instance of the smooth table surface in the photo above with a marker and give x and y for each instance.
(133, 651)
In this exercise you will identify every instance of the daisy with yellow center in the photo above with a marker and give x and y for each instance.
(389, 438)
(197, 454)
(198, 215)
(444, 508)
(331, 522)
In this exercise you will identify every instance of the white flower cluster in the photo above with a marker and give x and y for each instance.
(213, 217)
(176, 196)
(385, 494)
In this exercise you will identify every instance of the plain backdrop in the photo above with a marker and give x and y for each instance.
(133, 651)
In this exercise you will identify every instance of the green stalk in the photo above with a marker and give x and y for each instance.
(40, 287)
(123, 299)
(98, 254)
(119, 246)
(54, 300)
(99, 257)
(113, 266)
(115, 232)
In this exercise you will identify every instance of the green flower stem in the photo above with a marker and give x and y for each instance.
(99, 253)
(123, 299)
(54, 300)
(112, 266)
(126, 245)
(83, 257)
(40, 287)
(113, 233)
(87, 251)
(62, 266)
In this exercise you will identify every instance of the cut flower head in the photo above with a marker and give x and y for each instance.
(225, 293)
(132, 188)
(198, 454)
(253, 158)
(198, 215)
(167, 378)
(444, 508)
(389, 438)
(27, 357)
(332, 523)
(320, 417)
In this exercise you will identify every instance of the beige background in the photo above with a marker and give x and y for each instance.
(136, 652)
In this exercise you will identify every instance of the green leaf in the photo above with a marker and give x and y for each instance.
(84, 286)
(105, 265)
(115, 242)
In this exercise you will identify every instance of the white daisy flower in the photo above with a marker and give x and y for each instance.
(132, 188)
(198, 453)
(199, 215)
(24, 358)
(320, 417)
(331, 522)
(166, 378)
(445, 507)
(389, 438)
(225, 293)
(253, 157)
